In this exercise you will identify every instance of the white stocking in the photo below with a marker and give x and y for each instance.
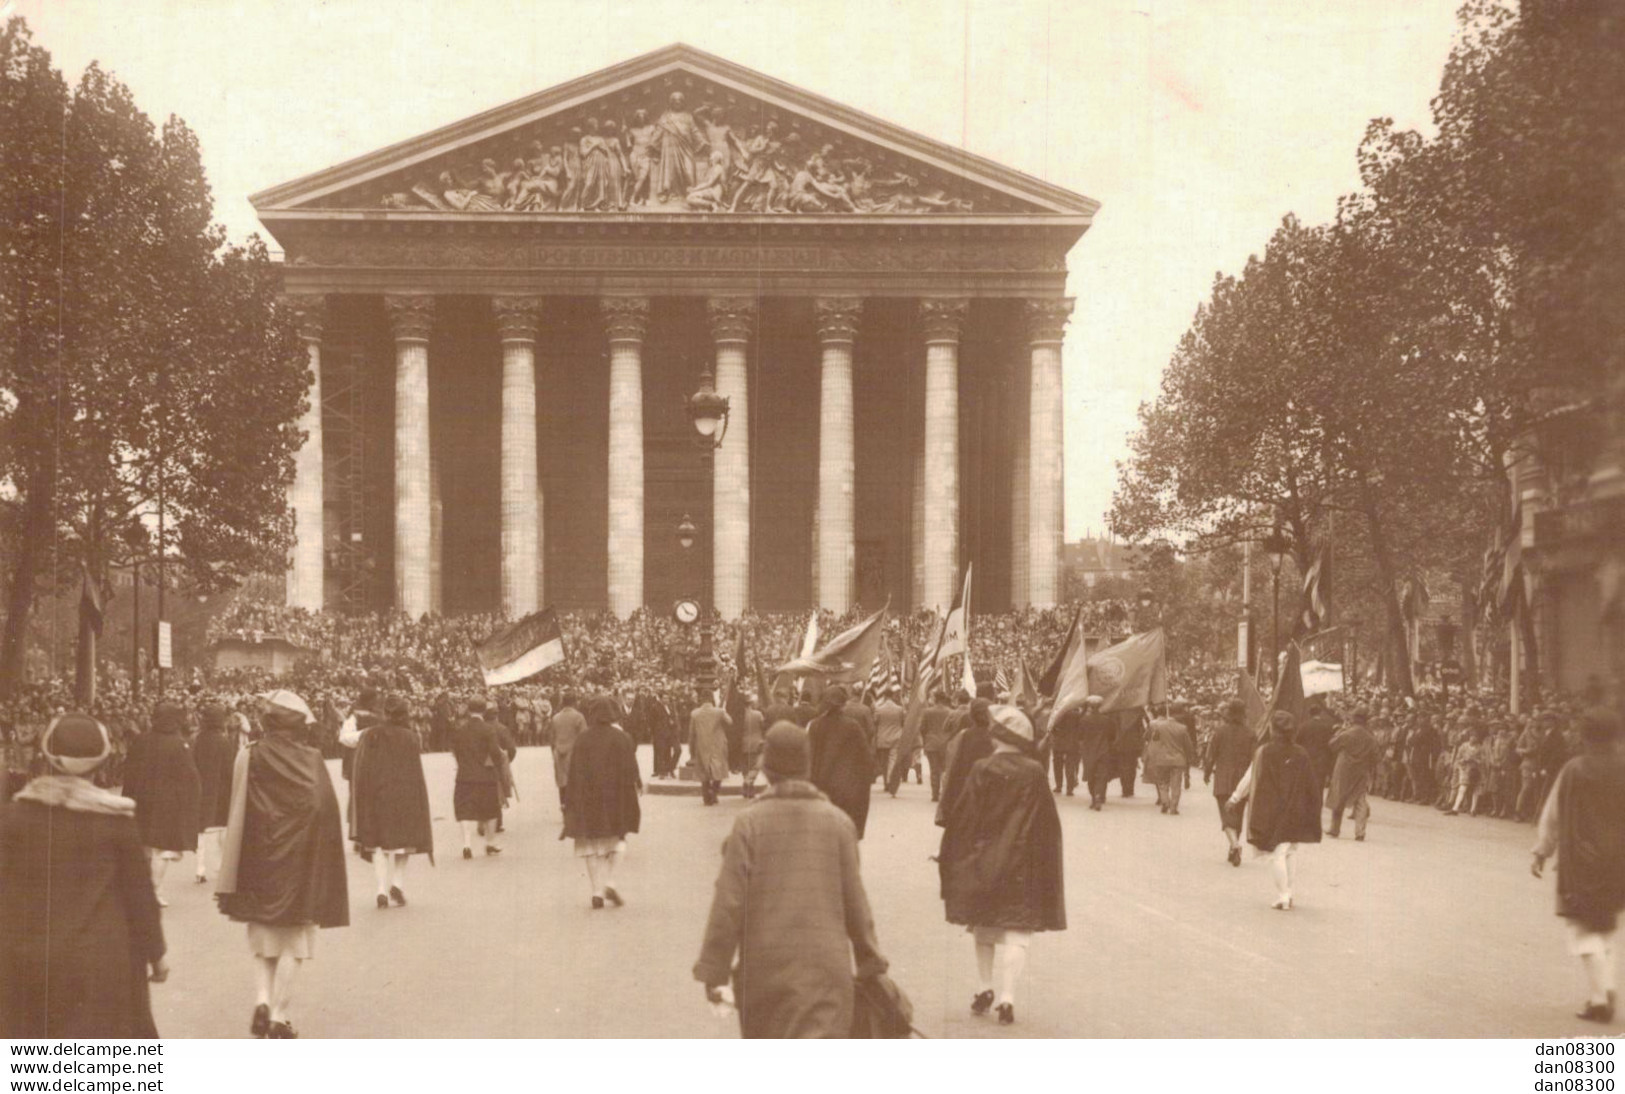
(594, 875)
(381, 863)
(1281, 871)
(984, 967)
(1015, 960)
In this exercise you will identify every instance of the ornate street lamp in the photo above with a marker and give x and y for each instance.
(708, 411)
(1276, 545)
(1354, 654)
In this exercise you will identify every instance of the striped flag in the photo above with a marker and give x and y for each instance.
(955, 638)
(522, 650)
(1317, 590)
(1001, 681)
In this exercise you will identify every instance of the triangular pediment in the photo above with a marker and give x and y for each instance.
(677, 131)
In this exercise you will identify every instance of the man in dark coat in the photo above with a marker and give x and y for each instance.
(1127, 746)
(282, 872)
(1097, 738)
(1583, 823)
(1229, 754)
(161, 778)
(1315, 738)
(1357, 754)
(601, 800)
(1421, 753)
(708, 746)
(1169, 755)
(567, 725)
(1000, 863)
(215, 752)
(663, 736)
(790, 902)
(477, 794)
(842, 757)
(934, 738)
(82, 932)
(1282, 790)
(1066, 742)
(390, 820)
(969, 746)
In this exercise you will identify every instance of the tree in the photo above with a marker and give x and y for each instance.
(146, 360)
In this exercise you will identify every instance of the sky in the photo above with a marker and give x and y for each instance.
(1198, 124)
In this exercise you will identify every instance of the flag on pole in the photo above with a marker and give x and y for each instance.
(880, 672)
(1133, 673)
(849, 655)
(1317, 590)
(1029, 686)
(1050, 680)
(956, 624)
(521, 650)
(1001, 681)
(925, 680)
(810, 641)
(1289, 685)
(90, 602)
(1318, 677)
(1257, 712)
(968, 678)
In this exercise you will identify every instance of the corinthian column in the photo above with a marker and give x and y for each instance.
(411, 317)
(837, 326)
(941, 320)
(626, 320)
(1020, 474)
(304, 578)
(1046, 323)
(521, 515)
(731, 320)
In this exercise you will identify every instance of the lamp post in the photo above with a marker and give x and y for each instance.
(709, 413)
(1354, 654)
(1147, 598)
(1276, 546)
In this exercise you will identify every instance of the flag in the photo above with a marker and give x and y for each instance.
(90, 602)
(1001, 682)
(522, 650)
(1413, 598)
(849, 655)
(968, 679)
(764, 695)
(1029, 687)
(919, 697)
(1318, 677)
(1257, 713)
(810, 641)
(1511, 595)
(1048, 682)
(1133, 673)
(1289, 685)
(956, 624)
(1317, 590)
(880, 672)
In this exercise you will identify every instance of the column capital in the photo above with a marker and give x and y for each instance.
(410, 317)
(837, 318)
(732, 317)
(626, 318)
(309, 310)
(941, 317)
(516, 317)
(1046, 318)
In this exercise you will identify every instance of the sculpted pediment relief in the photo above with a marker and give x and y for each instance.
(676, 131)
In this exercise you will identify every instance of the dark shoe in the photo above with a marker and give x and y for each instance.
(613, 897)
(1597, 1012)
(501, 829)
(397, 896)
(383, 901)
(1235, 856)
(1069, 793)
(1359, 837)
(261, 1022)
(201, 879)
(1334, 833)
(1007, 1014)
(981, 1003)
(597, 902)
(283, 1031)
(492, 850)
(467, 853)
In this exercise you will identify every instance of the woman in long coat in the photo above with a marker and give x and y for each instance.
(1001, 859)
(842, 758)
(1282, 792)
(601, 798)
(283, 869)
(1229, 753)
(82, 929)
(161, 778)
(215, 751)
(390, 818)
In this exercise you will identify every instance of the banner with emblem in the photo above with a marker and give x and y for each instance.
(1133, 673)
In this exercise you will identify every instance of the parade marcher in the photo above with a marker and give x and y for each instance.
(1357, 752)
(83, 934)
(663, 735)
(1583, 824)
(390, 819)
(1000, 862)
(1421, 753)
(1126, 748)
(1315, 738)
(215, 752)
(1282, 792)
(790, 902)
(750, 742)
(1170, 755)
(601, 803)
(366, 714)
(934, 737)
(969, 746)
(477, 793)
(841, 757)
(889, 716)
(1097, 739)
(567, 725)
(1229, 753)
(161, 777)
(1067, 735)
(708, 746)
(283, 869)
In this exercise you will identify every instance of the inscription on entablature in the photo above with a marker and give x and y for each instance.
(501, 254)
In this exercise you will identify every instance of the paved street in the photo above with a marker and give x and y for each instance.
(1431, 928)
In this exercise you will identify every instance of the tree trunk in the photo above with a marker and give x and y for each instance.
(24, 574)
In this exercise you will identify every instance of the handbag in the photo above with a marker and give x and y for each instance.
(880, 1009)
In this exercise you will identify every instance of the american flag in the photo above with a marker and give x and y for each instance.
(1001, 682)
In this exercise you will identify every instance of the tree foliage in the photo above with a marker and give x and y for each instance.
(144, 356)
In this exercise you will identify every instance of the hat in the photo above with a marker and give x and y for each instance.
(477, 704)
(214, 716)
(75, 743)
(283, 701)
(168, 718)
(1094, 700)
(1011, 726)
(785, 752)
(368, 700)
(1282, 723)
(395, 706)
